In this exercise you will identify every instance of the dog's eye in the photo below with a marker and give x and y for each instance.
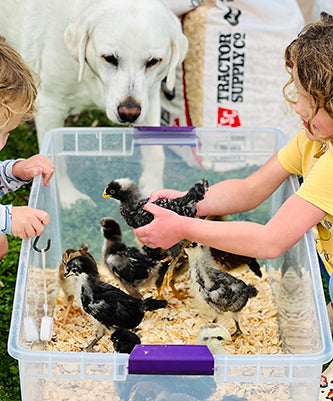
(111, 59)
(152, 62)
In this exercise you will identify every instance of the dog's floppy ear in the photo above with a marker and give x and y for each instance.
(76, 38)
(179, 48)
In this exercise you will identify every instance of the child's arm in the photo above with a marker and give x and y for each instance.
(289, 224)
(23, 221)
(240, 195)
(285, 229)
(236, 195)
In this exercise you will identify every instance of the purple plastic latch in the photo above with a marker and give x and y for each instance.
(171, 359)
(165, 136)
(163, 128)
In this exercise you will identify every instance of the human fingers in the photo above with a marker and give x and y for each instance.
(141, 234)
(42, 216)
(165, 194)
(47, 175)
(152, 208)
(32, 167)
(47, 168)
(36, 225)
(156, 195)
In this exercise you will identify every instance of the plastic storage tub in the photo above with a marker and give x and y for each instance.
(95, 156)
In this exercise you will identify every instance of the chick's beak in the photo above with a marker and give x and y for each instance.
(105, 195)
(68, 273)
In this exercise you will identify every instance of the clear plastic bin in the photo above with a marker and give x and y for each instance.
(95, 156)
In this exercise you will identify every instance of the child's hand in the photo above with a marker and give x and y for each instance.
(35, 165)
(28, 222)
(163, 231)
(165, 194)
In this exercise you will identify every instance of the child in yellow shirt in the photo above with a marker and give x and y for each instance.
(309, 60)
(17, 97)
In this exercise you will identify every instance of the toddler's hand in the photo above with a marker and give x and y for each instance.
(35, 165)
(28, 222)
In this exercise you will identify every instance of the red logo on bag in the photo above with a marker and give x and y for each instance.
(228, 117)
(176, 122)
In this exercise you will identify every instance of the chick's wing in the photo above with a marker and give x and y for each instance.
(226, 292)
(112, 307)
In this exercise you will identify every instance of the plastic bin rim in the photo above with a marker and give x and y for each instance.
(27, 355)
(133, 130)
(171, 129)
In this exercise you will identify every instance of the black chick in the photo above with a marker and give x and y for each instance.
(110, 307)
(220, 290)
(124, 341)
(127, 192)
(131, 202)
(132, 268)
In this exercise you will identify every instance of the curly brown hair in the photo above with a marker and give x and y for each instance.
(311, 54)
(18, 83)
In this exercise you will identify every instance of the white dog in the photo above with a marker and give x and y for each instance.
(112, 54)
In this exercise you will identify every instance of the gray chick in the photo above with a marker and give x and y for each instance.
(223, 292)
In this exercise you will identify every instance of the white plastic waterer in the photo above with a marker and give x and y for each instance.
(30, 326)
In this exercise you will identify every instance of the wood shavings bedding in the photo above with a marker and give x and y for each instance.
(178, 323)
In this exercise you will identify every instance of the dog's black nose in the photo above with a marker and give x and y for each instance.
(129, 110)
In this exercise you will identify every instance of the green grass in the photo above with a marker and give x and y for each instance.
(22, 142)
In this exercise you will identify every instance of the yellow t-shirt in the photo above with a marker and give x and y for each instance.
(310, 160)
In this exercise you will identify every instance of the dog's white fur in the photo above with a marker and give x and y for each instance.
(104, 53)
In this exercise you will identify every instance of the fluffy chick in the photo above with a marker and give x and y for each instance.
(127, 192)
(131, 267)
(214, 335)
(124, 341)
(69, 284)
(220, 290)
(110, 307)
